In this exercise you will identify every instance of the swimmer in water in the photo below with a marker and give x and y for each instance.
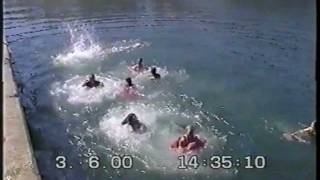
(188, 141)
(139, 67)
(92, 82)
(129, 90)
(309, 131)
(129, 83)
(154, 73)
(136, 125)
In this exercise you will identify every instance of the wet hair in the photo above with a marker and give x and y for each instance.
(136, 125)
(132, 116)
(92, 76)
(140, 61)
(130, 119)
(129, 81)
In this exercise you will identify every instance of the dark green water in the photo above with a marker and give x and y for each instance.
(243, 72)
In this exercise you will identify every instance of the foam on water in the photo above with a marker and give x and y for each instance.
(153, 147)
(74, 92)
(144, 78)
(126, 45)
(85, 49)
(164, 119)
(111, 125)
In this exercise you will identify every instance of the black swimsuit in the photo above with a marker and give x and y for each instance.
(91, 85)
(157, 76)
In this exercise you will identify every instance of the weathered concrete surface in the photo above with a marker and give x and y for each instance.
(18, 158)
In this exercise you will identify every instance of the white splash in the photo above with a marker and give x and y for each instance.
(111, 124)
(154, 146)
(77, 94)
(127, 45)
(85, 49)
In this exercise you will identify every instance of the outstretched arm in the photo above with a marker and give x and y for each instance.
(125, 121)
(307, 130)
(84, 84)
(302, 131)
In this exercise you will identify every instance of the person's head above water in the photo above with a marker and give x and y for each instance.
(140, 61)
(154, 70)
(92, 82)
(92, 77)
(154, 73)
(129, 81)
(132, 117)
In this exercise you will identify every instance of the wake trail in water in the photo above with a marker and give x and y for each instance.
(75, 93)
(164, 113)
(164, 124)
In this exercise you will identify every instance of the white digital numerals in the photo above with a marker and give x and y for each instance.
(117, 162)
(61, 162)
(121, 162)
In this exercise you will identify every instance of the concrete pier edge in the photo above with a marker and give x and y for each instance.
(18, 157)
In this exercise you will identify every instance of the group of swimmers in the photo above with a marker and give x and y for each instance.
(185, 143)
(139, 67)
(188, 142)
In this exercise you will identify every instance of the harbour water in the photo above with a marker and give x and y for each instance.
(241, 72)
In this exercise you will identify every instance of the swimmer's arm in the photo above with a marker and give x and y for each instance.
(125, 121)
(84, 84)
(175, 144)
(306, 130)
(191, 146)
(180, 141)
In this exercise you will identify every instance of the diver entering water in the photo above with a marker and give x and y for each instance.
(92, 82)
(139, 67)
(154, 73)
(136, 125)
(188, 141)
